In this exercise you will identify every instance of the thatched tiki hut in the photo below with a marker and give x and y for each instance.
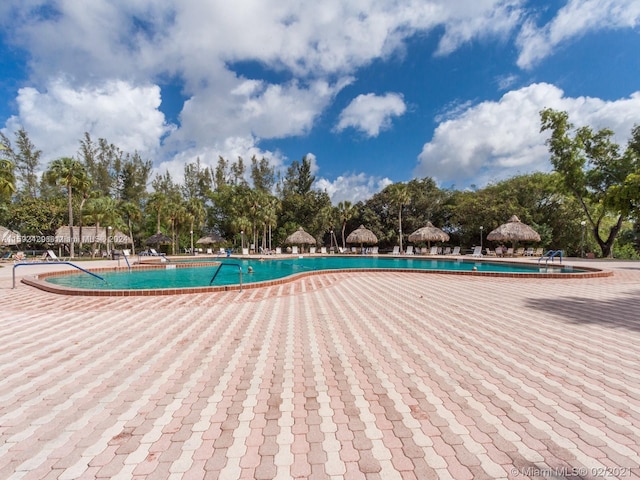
(362, 235)
(300, 237)
(9, 237)
(514, 231)
(158, 239)
(429, 234)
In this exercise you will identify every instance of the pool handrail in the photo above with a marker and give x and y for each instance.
(222, 264)
(550, 256)
(22, 264)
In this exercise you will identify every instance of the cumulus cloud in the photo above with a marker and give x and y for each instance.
(575, 19)
(58, 116)
(495, 140)
(371, 113)
(352, 187)
(112, 54)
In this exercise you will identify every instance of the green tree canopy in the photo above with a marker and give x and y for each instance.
(592, 169)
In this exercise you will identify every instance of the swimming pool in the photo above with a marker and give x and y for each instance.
(179, 277)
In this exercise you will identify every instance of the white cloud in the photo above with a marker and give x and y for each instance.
(57, 117)
(496, 140)
(576, 18)
(112, 54)
(470, 20)
(352, 187)
(371, 113)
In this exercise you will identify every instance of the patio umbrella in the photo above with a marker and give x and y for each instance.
(362, 235)
(429, 234)
(514, 231)
(9, 237)
(157, 239)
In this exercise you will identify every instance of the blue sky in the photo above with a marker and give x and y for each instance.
(374, 91)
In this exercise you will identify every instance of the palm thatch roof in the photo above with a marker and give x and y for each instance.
(429, 233)
(299, 237)
(362, 235)
(514, 231)
(210, 239)
(157, 239)
(9, 237)
(90, 234)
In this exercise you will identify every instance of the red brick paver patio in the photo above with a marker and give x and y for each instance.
(360, 375)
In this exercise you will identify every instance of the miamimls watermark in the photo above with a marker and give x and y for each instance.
(16, 239)
(568, 472)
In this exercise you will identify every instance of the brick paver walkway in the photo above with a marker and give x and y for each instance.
(368, 375)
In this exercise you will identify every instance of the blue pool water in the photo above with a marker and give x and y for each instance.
(272, 269)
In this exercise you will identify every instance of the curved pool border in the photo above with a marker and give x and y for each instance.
(39, 281)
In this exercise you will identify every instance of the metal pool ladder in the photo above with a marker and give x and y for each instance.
(22, 264)
(550, 255)
(229, 265)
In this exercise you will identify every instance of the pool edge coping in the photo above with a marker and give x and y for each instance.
(39, 281)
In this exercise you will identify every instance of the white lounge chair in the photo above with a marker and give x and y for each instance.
(456, 251)
(312, 249)
(323, 250)
(374, 251)
(278, 251)
(294, 250)
(434, 251)
(409, 250)
(477, 252)
(245, 251)
(396, 250)
(52, 256)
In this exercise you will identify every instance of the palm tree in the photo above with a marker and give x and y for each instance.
(270, 215)
(132, 213)
(158, 203)
(399, 195)
(102, 210)
(69, 173)
(195, 214)
(346, 211)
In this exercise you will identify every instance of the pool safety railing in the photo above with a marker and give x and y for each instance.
(24, 264)
(126, 259)
(550, 255)
(227, 265)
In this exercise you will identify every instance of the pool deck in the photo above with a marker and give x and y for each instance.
(340, 376)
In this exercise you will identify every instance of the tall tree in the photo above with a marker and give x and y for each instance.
(400, 196)
(591, 167)
(26, 160)
(262, 174)
(7, 177)
(68, 173)
(133, 176)
(131, 213)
